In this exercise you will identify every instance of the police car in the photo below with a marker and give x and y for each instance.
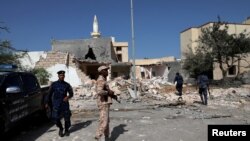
(20, 96)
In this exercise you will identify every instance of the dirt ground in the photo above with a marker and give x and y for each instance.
(145, 120)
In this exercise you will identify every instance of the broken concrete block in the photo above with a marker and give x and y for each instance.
(132, 93)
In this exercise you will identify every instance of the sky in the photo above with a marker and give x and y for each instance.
(157, 23)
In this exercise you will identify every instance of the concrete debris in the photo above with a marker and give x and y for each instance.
(132, 93)
(245, 77)
(158, 89)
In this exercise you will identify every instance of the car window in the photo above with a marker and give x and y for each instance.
(30, 83)
(13, 80)
(1, 88)
(1, 79)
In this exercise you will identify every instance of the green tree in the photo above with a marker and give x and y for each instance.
(216, 45)
(225, 49)
(240, 48)
(42, 75)
(8, 54)
(196, 63)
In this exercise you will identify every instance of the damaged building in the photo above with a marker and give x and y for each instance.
(80, 58)
(86, 55)
(164, 68)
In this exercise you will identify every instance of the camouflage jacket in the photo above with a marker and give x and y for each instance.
(102, 91)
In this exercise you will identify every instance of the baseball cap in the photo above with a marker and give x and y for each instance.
(61, 72)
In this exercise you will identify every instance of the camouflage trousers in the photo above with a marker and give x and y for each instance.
(103, 128)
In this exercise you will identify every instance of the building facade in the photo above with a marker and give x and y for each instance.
(190, 36)
(86, 55)
(157, 67)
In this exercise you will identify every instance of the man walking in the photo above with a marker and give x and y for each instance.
(203, 87)
(179, 82)
(104, 100)
(58, 100)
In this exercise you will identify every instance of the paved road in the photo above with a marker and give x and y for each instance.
(137, 122)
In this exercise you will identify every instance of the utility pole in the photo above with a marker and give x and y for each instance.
(133, 47)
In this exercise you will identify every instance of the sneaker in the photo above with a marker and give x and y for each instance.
(67, 133)
(61, 133)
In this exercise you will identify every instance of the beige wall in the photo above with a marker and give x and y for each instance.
(152, 71)
(117, 71)
(150, 66)
(247, 21)
(123, 51)
(244, 66)
(139, 62)
(189, 37)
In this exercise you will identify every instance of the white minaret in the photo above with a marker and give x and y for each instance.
(95, 33)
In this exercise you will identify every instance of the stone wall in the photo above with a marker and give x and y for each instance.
(54, 58)
(174, 68)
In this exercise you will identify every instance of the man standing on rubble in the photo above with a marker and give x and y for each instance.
(203, 84)
(104, 100)
(179, 82)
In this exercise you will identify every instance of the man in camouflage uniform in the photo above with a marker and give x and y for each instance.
(104, 100)
(58, 101)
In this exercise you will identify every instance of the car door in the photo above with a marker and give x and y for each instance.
(33, 92)
(14, 99)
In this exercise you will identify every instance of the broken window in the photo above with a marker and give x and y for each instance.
(90, 54)
(119, 57)
(118, 48)
(232, 70)
(142, 74)
(115, 74)
(153, 73)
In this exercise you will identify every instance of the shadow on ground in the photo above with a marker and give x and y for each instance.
(79, 126)
(28, 124)
(117, 131)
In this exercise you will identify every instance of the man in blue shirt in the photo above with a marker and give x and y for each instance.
(58, 99)
(179, 82)
(203, 84)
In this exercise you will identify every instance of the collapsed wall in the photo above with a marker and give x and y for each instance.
(56, 61)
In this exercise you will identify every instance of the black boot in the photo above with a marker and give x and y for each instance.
(61, 132)
(59, 125)
(202, 99)
(67, 133)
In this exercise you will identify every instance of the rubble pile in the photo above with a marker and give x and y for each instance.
(245, 77)
(233, 97)
(157, 89)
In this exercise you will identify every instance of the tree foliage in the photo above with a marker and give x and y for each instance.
(196, 63)
(8, 54)
(42, 75)
(215, 44)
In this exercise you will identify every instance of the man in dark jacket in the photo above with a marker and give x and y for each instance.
(203, 84)
(58, 100)
(179, 82)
